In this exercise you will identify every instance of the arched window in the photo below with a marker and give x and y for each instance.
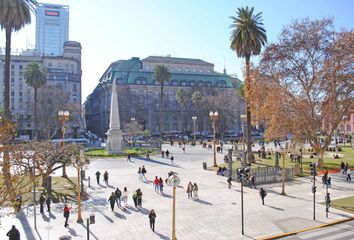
(140, 81)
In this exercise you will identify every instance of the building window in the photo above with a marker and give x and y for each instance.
(20, 67)
(200, 83)
(183, 83)
(12, 66)
(221, 84)
(191, 83)
(208, 84)
(50, 64)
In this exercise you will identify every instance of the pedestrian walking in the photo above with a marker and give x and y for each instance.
(135, 198)
(118, 194)
(346, 168)
(48, 201)
(348, 174)
(328, 202)
(125, 196)
(184, 149)
(342, 166)
(139, 173)
(129, 158)
(167, 153)
(157, 184)
(143, 172)
(172, 158)
(98, 174)
(162, 153)
(18, 202)
(152, 216)
(13, 234)
(263, 194)
(229, 179)
(161, 185)
(41, 203)
(105, 177)
(253, 181)
(195, 191)
(66, 214)
(189, 189)
(139, 197)
(112, 200)
(147, 155)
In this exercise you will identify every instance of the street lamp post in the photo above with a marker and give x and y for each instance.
(174, 182)
(194, 118)
(132, 128)
(283, 173)
(243, 120)
(345, 127)
(78, 163)
(214, 117)
(63, 117)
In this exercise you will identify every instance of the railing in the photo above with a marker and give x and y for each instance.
(269, 174)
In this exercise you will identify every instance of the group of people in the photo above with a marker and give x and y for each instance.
(192, 190)
(105, 177)
(44, 199)
(158, 184)
(141, 173)
(167, 153)
(345, 169)
(117, 197)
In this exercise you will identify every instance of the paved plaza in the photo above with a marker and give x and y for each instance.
(216, 215)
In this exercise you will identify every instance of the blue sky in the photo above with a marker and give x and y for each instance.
(110, 30)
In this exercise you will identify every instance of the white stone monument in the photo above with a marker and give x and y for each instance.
(114, 134)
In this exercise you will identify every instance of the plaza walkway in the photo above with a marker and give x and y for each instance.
(216, 215)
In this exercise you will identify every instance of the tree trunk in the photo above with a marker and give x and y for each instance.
(182, 121)
(44, 179)
(248, 112)
(320, 159)
(35, 114)
(161, 108)
(7, 118)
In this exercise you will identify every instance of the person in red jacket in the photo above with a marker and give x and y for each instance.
(157, 184)
(66, 214)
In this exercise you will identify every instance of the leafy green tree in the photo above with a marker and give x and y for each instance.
(162, 75)
(181, 96)
(247, 38)
(196, 98)
(14, 14)
(35, 77)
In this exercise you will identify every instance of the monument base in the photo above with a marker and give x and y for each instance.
(114, 141)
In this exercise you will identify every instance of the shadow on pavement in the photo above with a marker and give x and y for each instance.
(120, 216)
(202, 201)
(280, 209)
(26, 227)
(143, 211)
(125, 210)
(72, 232)
(106, 217)
(51, 215)
(166, 195)
(161, 236)
(157, 162)
(45, 218)
(38, 234)
(93, 235)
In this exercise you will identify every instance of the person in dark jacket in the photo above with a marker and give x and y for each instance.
(41, 203)
(262, 193)
(98, 174)
(112, 200)
(48, 201)
(139, 197)
(152, 216)
(66, 214)
(13, 234)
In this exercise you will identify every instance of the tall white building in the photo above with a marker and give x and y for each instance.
(52, 28)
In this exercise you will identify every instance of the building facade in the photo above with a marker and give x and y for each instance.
(52, 28)
(138, 96)
(63, 83)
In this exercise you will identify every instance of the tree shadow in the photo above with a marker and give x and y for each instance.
(202, 201)
(161, 236)
(26, 227)
(157, 162)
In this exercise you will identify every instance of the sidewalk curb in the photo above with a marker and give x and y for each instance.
(306, 229)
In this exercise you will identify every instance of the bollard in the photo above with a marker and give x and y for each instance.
(88, 228)
(89, 181)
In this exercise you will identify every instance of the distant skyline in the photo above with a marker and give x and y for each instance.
(111, 30)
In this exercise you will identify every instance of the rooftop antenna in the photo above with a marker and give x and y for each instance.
(224, 67)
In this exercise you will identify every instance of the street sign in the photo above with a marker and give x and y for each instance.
(173, 181)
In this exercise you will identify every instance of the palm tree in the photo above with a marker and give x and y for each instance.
(35, 77)
(162, 75)
(14, 14)
(181, 98)
(247, 38)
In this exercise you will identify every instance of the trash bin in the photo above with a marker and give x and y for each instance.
(66, 237)
(204, 165)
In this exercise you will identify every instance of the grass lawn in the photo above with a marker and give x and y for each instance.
(345, 204)
(134, 151)
(61, 187)
(329, 162)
